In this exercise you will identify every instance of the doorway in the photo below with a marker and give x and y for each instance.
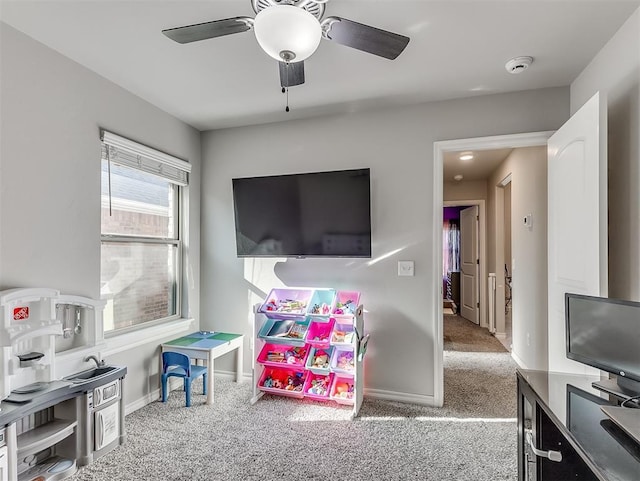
(461, 260)
(476, 144)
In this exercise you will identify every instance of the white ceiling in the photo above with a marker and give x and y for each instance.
(484, 162)
(457, 49)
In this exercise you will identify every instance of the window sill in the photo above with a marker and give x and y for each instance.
(147, 335)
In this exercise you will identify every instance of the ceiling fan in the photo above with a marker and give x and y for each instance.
(290, 32)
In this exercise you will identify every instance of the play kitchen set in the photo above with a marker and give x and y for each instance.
(61, 406)
(310, 344)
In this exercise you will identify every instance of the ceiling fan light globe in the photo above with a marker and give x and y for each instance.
(285, 28)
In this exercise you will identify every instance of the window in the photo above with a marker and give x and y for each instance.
(141, 245)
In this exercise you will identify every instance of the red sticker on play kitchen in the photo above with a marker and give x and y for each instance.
(20, 313)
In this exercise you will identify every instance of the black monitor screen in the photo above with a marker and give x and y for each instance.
(321, 214)
(604, 333)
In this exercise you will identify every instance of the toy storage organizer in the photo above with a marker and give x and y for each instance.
(310, 343)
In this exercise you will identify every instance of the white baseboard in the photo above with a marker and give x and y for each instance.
(154, 395)
(518, 361)
(142, 402)
(401, 397)
(500, 335)
(175, 383)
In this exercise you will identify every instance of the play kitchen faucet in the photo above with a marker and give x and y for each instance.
(99, 363)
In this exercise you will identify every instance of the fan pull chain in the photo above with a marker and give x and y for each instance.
(287, 90)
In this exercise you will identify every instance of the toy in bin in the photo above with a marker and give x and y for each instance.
(343, 360)
(323, 309)
(320, 359)
(342, 334)
(293, 381)
(319, 386)
(345, 308)
(293, 355)
(343, 389)
(286, 305)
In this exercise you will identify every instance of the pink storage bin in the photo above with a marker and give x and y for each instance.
(319, 333)
(318, 386)
(316, 365)
(284, 382)
(286, 303)
(343, 360)
(346, 303)
(281, 355)
(342, 389)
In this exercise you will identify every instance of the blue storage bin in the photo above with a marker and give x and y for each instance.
(321, 304)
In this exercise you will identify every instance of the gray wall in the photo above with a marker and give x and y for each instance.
(397, 144)
(615, 72)
(52, 110)
(528, 169)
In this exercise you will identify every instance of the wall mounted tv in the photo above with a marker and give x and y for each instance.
(605, 333)
(320, 214)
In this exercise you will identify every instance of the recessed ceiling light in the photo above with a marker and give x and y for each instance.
(457, 177)
(466, 156)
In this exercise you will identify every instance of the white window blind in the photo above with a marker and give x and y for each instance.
(120, 150)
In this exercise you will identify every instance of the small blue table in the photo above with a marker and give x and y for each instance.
(207, 346)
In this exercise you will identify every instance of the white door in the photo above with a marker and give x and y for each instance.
(577, 220)
(469, 264)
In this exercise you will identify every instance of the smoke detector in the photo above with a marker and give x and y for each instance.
(458, 177)
(518, 64)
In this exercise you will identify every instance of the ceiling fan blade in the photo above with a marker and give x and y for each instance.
(203, 31)
(363, 37)
(294, 76)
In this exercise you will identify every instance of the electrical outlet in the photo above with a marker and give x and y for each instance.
(405, 268)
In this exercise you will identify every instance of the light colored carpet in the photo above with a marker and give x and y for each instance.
(463, 335)
(473, 437)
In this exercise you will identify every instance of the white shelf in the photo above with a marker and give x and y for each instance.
(29, 330)
(44, 436)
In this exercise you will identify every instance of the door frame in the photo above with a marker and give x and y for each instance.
(482, 252)
(498, 189)
(529, 139)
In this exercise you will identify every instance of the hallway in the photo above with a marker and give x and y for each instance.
(464, 336)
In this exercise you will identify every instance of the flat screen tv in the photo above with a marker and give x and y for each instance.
(320, 214)
(605, 333)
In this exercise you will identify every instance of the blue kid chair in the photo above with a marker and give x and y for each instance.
(179, 365)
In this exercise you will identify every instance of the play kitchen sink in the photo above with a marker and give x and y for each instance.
(103, 373)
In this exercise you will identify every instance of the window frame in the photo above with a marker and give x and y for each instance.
(179, 228)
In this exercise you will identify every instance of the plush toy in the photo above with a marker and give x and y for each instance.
(294, 383)
(321, 359)
(345, 361)
(343, 390)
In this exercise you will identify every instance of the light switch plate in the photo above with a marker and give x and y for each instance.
(405, 268)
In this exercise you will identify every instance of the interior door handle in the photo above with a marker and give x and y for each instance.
(555, 456)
